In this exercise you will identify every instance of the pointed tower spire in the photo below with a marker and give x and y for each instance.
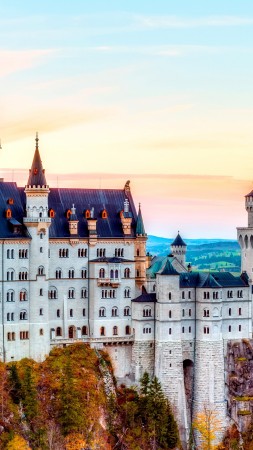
(37, 173)
(140, 230)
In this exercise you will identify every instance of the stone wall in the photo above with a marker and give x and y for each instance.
(143, 358)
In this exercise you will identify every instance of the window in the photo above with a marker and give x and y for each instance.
(169, 330)
(71, 293)
(147, 312)
(240, 328)
(127, 293)
(41, 311)
(71, 332)
(229, 311)
(58, 313)
(116, 274)
(182, 312)
(190, 312)
(240, 294)
(52, 293)
(24, 335)
(84, 273)
(147, 329)
(137, 252)
(101, 252)
(71, 313)
(137, 273)
(229, 294)
(111, 273)
(10, 296)
(170, 314)
(51, 213)
(84, 312)
(169, 295)
(41, 249)
(40, 270)
(41, 292)
(87, 214)
(83, 293)
(10, 275)
(115, 312)
(71, 273)
(11, 336)
(23, 315)
(127, 272)
(101, 273)
(63, 253)
(41, 234)
(189, 294)
(58, 274)
(206, 330)
(82, 252)
(183, 295)
(119, 252)
(58, 331)
(206, 313)
(229, 329)
(108, 293)
(190, 329)
(22, 254)
(23, 295)
(240, 311)
(126, 311)
(115, 331)
(102, 331)
(182, 329)
(41, 332)
(104, 214)
(102, 312)
(84, 330)
(23, 275)
(128, 330)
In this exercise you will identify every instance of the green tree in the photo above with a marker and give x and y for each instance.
(15, 384)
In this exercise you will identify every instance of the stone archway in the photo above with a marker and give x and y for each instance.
(188, 368)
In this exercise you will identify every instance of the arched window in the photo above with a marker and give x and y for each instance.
(137, 273)
(71, 312)
(128, 329)
(68, 213)
(147, 311)
(127, 272)
(23, 315)
(52, 293)
(51, 213)
(58, 274)
(8, 213)
(127, 311)
(101, 273)
(58, 313)
(206, 313)
(111, 274)
(84, 273)
(10, 275)
(116, 274)
(71, 293)
(40, 270)
(170, 315)
(102, 312)
(58, 331)
(83, 293)
(127, 293)
(102, 331)
(72, 332)
(137, 252)
(84, 330)
(147, 329)
(10, 296)
(87, 214)
(115, 331)
(23, 295)
(104, 214)
(82, 253)
(71, 273)
(41, 332)
(115, 311)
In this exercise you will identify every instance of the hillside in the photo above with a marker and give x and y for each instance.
(70, 402)
(203, 254)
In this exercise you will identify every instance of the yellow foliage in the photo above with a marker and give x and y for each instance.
(208, 425)
(18, 443)
(75, 441)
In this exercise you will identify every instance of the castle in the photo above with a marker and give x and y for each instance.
(74, 268)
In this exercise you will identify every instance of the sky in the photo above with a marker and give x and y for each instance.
(159, 93)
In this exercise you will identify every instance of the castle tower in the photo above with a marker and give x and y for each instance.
(178, 249)
(140, 251)
(37, 223)
(245, 239)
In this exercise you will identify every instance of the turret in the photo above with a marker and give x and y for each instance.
(245, 239)
(140, 250)
(178, 249)
(249, 208)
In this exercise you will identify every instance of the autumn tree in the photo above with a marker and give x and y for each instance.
(208, 425)
(18, 443)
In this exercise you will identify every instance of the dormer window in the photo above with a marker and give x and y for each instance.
(87, 214)
(10, 201)
(68, 213)
(104, 214)
(51, 213)
(8, 213)
(35, 171)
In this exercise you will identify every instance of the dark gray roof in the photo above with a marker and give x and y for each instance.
(178, 242)
(10, 198)
(140, 230)
(145, 298)
(37, 173)
(214, 280)
(168, 269)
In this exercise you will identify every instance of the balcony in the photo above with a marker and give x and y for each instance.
(112, 282)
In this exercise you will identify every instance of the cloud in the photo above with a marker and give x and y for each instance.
(13, 61)
(152, 22)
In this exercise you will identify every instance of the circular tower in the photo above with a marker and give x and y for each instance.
(245, 238)
(178, 249)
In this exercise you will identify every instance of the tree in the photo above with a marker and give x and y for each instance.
(207, 424)
(18, 443)
(15, 384)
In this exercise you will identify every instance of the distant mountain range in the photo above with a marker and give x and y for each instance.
(203, 254)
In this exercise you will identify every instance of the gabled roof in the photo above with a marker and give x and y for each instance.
(37, 173)
(145, 298)
(168, 269)
(178, 242)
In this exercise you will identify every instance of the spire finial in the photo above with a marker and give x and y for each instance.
(37, 140)
(139, 205)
